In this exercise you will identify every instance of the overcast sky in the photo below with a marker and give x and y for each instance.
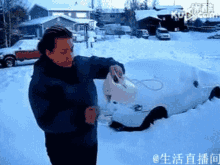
(120, 3)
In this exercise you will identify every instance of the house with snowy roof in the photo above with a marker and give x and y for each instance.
(39, 25)
(209, 21)
(159, 16)
(40, 18)
(110, 16)
(73, 11)
(147, 19)
(171, 23)
(164, 7)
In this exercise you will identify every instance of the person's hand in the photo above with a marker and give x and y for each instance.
(116, 72)
(91, 114)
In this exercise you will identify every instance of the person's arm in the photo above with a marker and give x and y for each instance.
(100, 66)
(51, 115)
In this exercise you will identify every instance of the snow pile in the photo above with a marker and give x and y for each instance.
(194, 132)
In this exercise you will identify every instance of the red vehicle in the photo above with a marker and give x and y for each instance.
(21, 50)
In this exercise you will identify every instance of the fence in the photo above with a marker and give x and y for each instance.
(207, 29)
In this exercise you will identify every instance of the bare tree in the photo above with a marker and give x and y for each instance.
(9, 17)
(99, 7)
(155, 3)
(144, 5)
(132, 4)
(4, 22)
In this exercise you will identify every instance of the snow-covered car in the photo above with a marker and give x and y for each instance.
(162, 34)
(77, 37)
(140, 33)
(126, 29)
(8, 55)
(216, 36)
(217, 27)
(165, 87)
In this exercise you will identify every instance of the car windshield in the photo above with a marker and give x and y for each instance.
(163, 31)
(17, 44)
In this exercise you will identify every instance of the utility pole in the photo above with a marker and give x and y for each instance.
(92, 4)
(207, 6)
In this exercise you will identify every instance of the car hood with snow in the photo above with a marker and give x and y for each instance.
(164, 82)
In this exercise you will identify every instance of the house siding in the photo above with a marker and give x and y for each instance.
(38, 12)
(62, 21)
(34, 29)
(170, 23)
(108, 18)
(31, 30)
(151, 24)
(73, 13)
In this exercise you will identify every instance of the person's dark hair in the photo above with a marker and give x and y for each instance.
(48, 39)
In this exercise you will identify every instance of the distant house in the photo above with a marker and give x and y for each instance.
(40, 18)
(75, 11)
(159, 16)
(147, 19)
(37, 11)
(38, 26)
(170, 22)
(209, 21)
(110, 16)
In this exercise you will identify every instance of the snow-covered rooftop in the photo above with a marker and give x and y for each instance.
(210, 19)
(38, 21)
(77, 7)
(167, 11)
(64, 7)
(159, 7)
(46, 19)
(141, 14)
(38, 6)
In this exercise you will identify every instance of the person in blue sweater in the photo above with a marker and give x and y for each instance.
(63, 97)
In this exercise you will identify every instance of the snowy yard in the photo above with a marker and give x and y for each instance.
(187, 138)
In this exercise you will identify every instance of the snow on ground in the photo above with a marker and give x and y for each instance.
(194, 132)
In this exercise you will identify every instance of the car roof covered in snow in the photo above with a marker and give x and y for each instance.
(29, 42)
(163, 29)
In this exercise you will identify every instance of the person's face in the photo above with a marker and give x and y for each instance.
(62, 52)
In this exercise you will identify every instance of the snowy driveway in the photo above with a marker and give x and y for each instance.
(190, 134)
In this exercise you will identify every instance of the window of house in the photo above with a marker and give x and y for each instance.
(112, 16)
(81, 27)
(58, 13)
(58, 19)
(81, 15)
(164, 18)
(176, 19)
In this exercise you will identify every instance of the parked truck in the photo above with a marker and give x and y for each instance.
(21, 50)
